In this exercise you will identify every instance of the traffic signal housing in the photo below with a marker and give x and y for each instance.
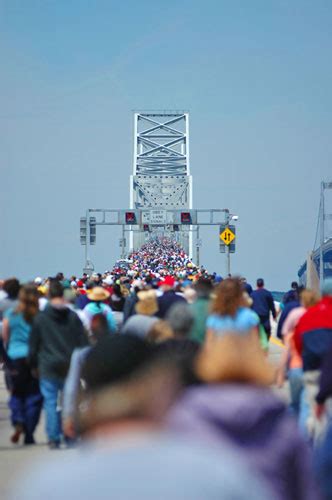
(186, 218)
(130, 218)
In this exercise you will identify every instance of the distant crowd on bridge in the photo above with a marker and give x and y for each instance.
(159, 373)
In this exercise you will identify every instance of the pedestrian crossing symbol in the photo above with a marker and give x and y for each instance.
(227, 236)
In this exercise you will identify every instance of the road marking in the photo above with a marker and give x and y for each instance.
(276, 342)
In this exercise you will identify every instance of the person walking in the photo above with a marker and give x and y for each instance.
(97, 296)
(56, 332)
(145, 317)
(229, 313)
(169, 297)
(25, 398)
(200, 309)
(291, 361)
(313, 340)
(263, 305)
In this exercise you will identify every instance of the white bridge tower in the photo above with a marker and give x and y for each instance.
(161, 177)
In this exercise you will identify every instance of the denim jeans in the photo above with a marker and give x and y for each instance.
(50, 390)
(295, 378)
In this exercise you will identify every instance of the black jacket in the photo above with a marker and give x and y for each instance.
(166, 301)
(55, 333)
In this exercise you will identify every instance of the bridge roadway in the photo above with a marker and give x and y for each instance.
(16, 458)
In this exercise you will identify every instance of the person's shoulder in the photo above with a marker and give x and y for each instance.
(247, 316)
(246, 312)
(214, 321)
(9, 313)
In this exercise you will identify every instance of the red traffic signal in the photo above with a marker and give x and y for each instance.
(185, 218)
(130, 218)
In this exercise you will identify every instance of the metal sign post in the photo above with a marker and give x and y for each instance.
(227, 237)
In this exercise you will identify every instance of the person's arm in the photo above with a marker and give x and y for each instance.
(82, 336)
(34, 344)
(281, 375)
(325, 385)
(71, 390)
(272, 306)
(111, 320)
(5, 331)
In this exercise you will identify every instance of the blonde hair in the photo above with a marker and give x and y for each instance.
(309, 298)
(159, 332)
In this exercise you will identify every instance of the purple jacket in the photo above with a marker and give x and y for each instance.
(256, 422)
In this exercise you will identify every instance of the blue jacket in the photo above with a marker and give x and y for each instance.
(263, 303)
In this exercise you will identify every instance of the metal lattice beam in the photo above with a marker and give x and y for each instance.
(161, 166)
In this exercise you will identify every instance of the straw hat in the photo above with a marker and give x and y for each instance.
(98, 294)
(147, 303)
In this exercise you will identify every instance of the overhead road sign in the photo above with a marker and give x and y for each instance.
(227, 236)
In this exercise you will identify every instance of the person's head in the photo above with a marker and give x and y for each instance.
(294, 285)
(69, 295)
(246, 300)
(99, 327)
(55, 289)
(160, 331)
(113, 359)
(181, 319)
(260, 283)
(12, 288)
(203, 288)
(190, 294)
(60, 276)
(28, 302)
(308, 298)
(234, 358)
(147, 303)
(167, 283)
(98, 294)
(228, 298)
(137, 391)
(326, 288)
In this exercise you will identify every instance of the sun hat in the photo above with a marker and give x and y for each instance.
(98, 294)
(147, 303)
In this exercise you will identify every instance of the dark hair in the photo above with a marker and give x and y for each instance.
(295, 285)
(99, 326)
(229, 296)
(55, 290)
(260, 282)
(203, 287)
(28, 302)
(113, 359)
(12, 287)
(59, 276)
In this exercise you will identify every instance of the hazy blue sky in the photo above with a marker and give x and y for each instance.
(255, 75)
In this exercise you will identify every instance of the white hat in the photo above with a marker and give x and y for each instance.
(38, 280)
(108, 280)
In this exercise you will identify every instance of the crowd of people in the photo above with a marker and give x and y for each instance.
(159, 373)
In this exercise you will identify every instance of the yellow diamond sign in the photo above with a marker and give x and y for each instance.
(227, 236)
